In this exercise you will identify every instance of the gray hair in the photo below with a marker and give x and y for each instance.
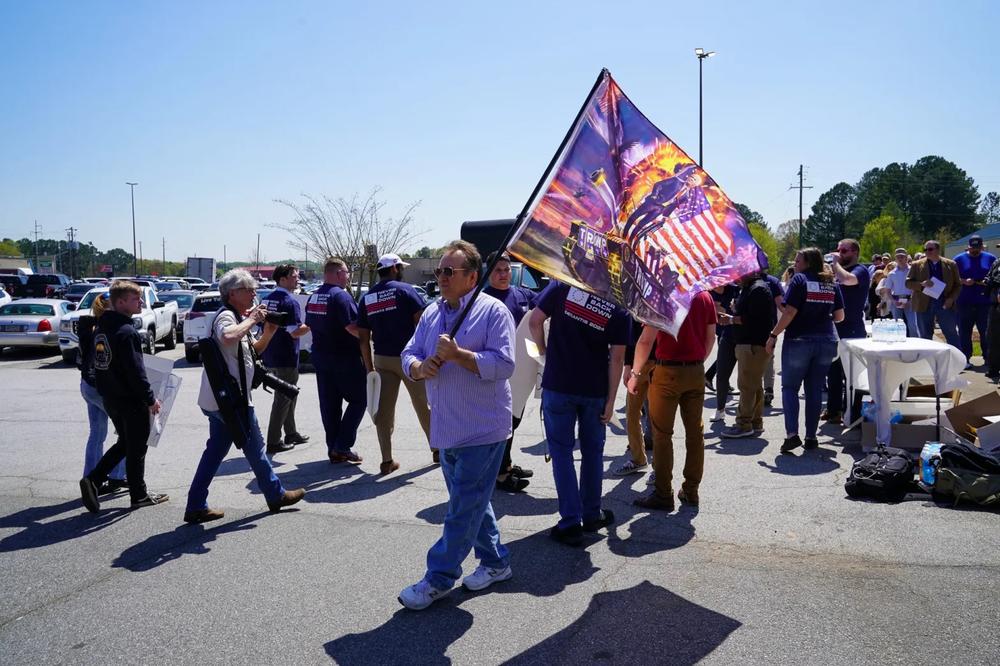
(235, 279)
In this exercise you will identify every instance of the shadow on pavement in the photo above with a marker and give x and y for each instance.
(364, 487)
(311, 475)
(407, 638)
(745, 446)
(37, 530)
(185, 540)
(803, 463)
(504, 504)
(682, 631)
(654, 532)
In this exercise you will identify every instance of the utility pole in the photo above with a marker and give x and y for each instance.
(135, 267)
(71, 233)
(37, 230)
(140, 256)
(164, 257)
(800, 187)
(257, 260)
(223, 258)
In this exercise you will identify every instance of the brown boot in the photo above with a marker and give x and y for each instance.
(654, 501)
(688, 497)
(202, 516)
(388, 467)
(289, 498)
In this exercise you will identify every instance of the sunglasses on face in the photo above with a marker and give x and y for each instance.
(448, 271)
(930, 249)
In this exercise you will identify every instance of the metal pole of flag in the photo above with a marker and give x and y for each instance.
(485, 278)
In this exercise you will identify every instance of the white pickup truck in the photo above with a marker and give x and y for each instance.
(156, 323)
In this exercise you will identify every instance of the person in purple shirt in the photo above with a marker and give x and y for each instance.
(584, 357)
(470, 400)
(512, 478)
(389, 313)
(853, 280)
(282, 358)
(331, 315)
(973, 304)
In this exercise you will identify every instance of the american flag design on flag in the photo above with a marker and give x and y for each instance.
(691, 241)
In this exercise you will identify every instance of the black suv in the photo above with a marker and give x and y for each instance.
(48, 285)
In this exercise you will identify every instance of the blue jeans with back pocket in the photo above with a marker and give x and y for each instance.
(804, 361)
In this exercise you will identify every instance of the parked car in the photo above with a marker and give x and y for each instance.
(96, 280)
(45, 285)
(197, 321)
(76, 291)
(157, 322)
(13, 284)
(180, 282)
(192, 281)
(32, 322)
(5, 298)
(143, 282)
(184, 298)
(201, 287)
(166, 285)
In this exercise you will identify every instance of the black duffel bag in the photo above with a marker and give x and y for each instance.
(884, 475)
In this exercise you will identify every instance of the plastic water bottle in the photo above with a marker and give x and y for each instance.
(930, 457)
(875, 330)
(900, 330)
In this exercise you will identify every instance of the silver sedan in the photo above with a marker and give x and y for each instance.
(32, 322)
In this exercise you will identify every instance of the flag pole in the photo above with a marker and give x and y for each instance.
(484, 280)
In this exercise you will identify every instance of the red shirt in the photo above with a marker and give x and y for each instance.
(689, 345)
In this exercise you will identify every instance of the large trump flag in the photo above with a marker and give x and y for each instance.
(625, 214)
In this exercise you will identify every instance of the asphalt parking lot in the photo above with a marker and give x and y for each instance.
(776, 565)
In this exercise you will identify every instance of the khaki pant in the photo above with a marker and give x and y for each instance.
(752, 361)
(672, 387)
(390, 370)
(282, 408)
(633, 415)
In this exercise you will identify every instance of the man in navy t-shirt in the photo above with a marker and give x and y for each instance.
(973, 304)
(388, 314)
(519, 301)
(331, 315)
(282, 358)
(854, 280)
(584, 357)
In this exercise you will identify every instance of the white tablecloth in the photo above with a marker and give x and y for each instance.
(883, 366)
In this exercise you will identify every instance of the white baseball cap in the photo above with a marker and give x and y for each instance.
(390, 260)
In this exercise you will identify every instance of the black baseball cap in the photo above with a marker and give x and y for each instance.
(975, 240)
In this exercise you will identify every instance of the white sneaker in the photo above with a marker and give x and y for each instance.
(720, 415)
(651, 479)
(421, 595)
(628, 466)
(484, 576)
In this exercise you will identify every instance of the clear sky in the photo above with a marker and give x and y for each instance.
(218, 108)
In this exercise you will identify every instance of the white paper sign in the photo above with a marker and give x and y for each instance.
(165, 387)
(935, 290)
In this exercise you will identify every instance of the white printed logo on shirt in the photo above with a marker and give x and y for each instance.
(317, 304)
(588, 309)
(380, 301)
(819, 292)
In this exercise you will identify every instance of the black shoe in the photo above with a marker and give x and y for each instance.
(520, 472)
(607, 518)
(571, 536)
(280, 447)
(117, 484)
(810, 443)
(708, 385)
(88, 492)
(769, 398)
(648, 442)
(296, 438)
(512, 484)
(791, 443)
(150, 499)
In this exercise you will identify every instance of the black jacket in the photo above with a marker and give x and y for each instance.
(121, 375)
(85, 358)
(755, 307)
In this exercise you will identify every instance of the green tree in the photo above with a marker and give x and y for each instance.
(989, 209)
(749, 215)
(424, 252)
(941, 194)
(827, 222)
(9, 248)
(880, 236)
(788, 245)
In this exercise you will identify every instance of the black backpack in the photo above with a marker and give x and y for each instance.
(884, 475)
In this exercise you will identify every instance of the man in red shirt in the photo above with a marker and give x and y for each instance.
(678, 381)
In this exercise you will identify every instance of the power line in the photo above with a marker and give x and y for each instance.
(800, 187)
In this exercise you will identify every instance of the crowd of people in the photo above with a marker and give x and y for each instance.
(455, 357)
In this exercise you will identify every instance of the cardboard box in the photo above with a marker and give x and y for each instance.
(972, 420)
(906, 435)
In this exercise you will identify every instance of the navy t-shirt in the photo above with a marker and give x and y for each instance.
(387, 311)
(328, 311)
(517, 299)
(774, 284)
(577, 348)
(814, 302)
(726, 299)
(283, 350)
(855, 300)
(975, 268)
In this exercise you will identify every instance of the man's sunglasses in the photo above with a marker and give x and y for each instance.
(448, 271)
(930, 249)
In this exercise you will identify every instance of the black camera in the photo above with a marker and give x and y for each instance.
(276, 318)
(263, 376)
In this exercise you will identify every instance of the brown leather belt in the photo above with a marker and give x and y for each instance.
(678, 363)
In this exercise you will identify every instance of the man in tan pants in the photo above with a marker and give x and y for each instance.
(636, 460)
(389, 313)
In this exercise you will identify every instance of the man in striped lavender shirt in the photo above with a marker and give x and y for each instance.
(470, 401)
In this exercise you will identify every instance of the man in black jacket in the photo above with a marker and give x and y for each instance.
(752, 323)
(128, 398)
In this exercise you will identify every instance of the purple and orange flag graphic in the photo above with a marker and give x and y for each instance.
(627, 215)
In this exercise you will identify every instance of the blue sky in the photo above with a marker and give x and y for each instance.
(218, 108)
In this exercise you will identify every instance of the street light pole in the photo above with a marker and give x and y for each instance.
(701, 54)
(135, 265)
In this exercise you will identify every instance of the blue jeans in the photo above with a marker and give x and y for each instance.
(909, 317)
(804, 360)
(578, 500)
(946, 319)
(340, 379)
(970, 316)
(470, 473)
(216, 448)
(98, 432)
